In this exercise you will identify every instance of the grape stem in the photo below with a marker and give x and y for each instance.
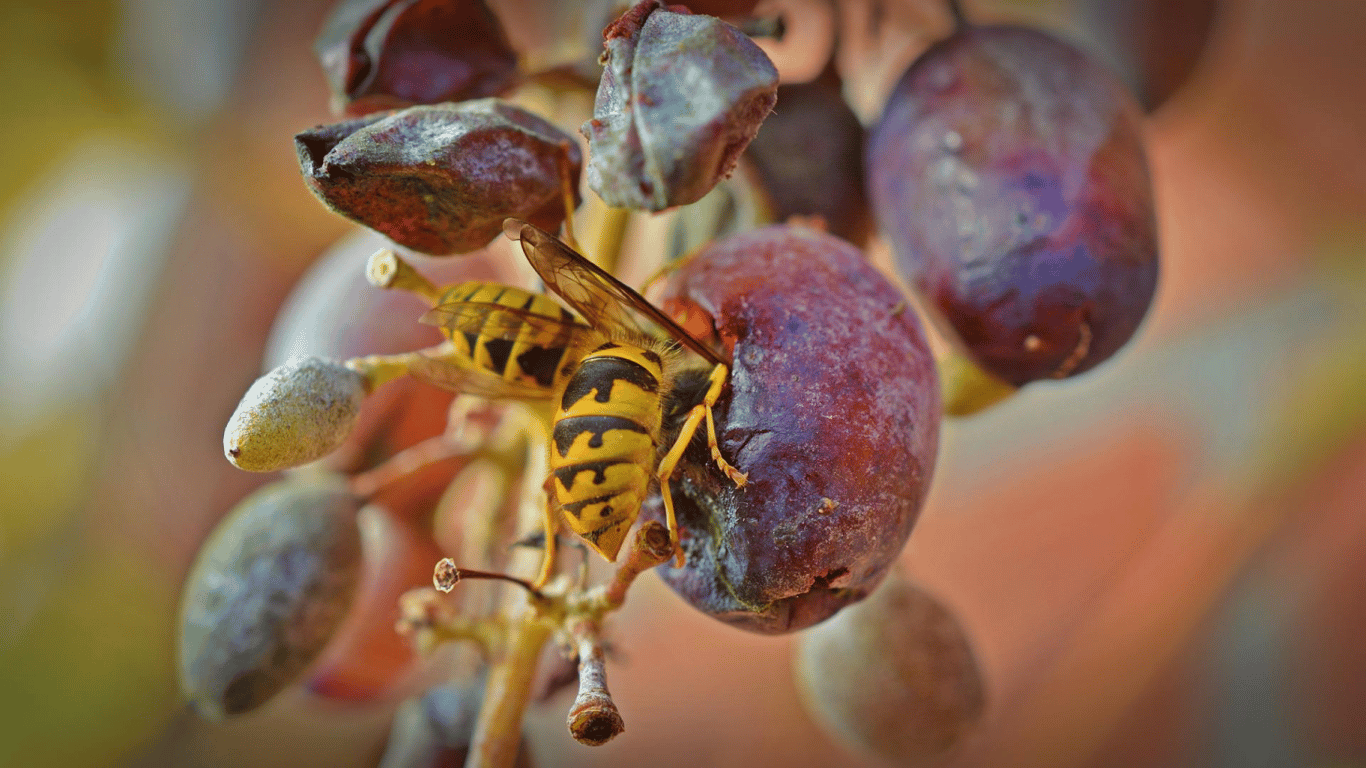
(960, 19)
(498, 731)
(594, 719)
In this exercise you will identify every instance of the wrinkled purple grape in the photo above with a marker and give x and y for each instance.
(894, 675)
(809, 155)
(1008, 171)
(267, 592)
(833, 411)
(441, 179)
(382, 54)
(681, 96)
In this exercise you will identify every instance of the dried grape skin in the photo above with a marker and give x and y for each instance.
(382, 54)
(833, 410)
(1009, 173)
(440, 179)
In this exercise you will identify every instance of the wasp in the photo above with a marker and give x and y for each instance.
(608, 379)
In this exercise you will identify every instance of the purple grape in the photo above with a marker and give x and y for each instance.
(833, 411)
(1008, 171)
(809, 155)
(894, 675)
(381, 54)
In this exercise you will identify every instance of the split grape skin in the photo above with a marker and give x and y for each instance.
(833, 411)
(1009, 173)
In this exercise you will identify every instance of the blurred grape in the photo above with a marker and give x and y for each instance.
(809, 155)
(1008, 171)
(834, 414)
(681, 96)
(435, 729)
(893, 675)
(381, 54)
(1155, 45)
(441, 179)
(268, 590)
(367, 659)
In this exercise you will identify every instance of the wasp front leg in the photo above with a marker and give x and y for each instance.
(700, 412)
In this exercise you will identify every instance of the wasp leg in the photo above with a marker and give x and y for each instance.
(700, 412)
(719, 375)
(552, 525)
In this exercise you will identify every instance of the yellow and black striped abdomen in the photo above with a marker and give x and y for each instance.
(602, 452)
(535, 356)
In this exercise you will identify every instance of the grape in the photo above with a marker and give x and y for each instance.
(440, 179)
(1156, 44)
(809, 155)
(380, 54)
(1008, 172)
(366, 658)
(295, 414)
(435, 730)
(893, 675)
(681, 96)
(833, 410)
(266, 593)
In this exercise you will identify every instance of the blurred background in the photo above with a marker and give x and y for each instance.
(1159, 563)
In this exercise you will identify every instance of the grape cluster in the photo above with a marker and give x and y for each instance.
(1008, 174)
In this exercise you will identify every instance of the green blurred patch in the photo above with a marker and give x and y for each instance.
(58, 74)
(83, 659)
(44, 478)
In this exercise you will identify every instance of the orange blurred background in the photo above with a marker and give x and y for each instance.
(1159, 563)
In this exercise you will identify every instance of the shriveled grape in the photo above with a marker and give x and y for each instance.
(894, 675)
(833, 411)
(681, 96)
(1008, 171)
(381, 54)
(441, 178)
(268, 590)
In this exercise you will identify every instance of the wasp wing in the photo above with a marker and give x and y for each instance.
(447, 372)
(602, 299)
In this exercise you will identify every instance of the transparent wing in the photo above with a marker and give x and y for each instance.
(445, 373)
(603, 300)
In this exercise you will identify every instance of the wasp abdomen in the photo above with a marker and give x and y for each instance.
(534, 356)
(568, 430)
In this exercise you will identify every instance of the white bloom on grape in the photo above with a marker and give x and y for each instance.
(297, 413)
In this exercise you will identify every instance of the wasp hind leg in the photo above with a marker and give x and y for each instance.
(551, 521)
(700, 412)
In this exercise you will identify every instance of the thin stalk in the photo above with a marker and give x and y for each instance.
(498, 732)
